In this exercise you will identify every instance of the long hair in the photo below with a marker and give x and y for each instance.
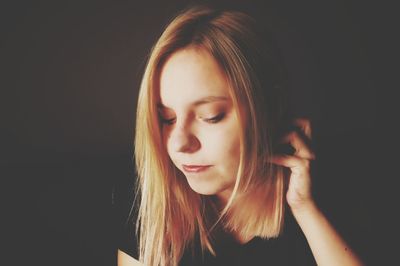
(171, 215)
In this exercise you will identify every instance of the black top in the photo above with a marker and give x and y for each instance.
(290, 248)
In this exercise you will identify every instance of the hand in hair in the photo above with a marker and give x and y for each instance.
(299, 189)
(327, 246)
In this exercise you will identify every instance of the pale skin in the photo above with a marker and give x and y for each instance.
(327, 246)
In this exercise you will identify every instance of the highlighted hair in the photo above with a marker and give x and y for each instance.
(171, 215)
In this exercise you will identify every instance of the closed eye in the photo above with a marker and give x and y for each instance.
(167, 121)
(211, 120)
(215, 119)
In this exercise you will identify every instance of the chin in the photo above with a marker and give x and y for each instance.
(203, 189)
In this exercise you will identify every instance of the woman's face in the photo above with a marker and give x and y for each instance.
(200, 127)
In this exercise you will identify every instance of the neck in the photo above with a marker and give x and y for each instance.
(222, 198)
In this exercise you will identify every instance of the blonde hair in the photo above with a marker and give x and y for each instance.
(171, 215)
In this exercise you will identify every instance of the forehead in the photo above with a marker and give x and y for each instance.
(189, 75)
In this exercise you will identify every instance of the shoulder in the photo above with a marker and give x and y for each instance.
(126, 200)
(128, 239)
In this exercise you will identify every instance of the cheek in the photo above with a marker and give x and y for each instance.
(223, 145)
(232, 153)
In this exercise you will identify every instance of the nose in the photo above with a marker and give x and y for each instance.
(182, 139)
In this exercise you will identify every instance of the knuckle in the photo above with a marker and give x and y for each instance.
(303, 121)
(292, 135)
(289, 136)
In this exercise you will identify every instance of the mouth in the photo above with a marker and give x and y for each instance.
(195, 168)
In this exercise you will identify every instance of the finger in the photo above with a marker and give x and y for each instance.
(302, 150)
(290, 161)
(305, 125)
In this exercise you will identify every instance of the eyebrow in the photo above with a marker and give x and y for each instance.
(205, 100)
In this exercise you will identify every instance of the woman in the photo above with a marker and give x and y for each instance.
(210, 120)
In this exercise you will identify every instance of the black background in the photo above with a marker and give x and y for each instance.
(70, 75)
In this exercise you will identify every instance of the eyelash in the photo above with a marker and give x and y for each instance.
(215, 119)
(167, 121)
(211, 120)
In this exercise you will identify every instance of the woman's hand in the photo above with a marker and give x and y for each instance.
(327, 246)
(299, 190)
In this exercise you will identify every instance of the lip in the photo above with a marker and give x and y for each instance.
(195, 168)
